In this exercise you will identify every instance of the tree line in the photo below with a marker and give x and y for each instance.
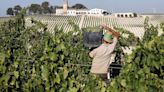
(43, 8)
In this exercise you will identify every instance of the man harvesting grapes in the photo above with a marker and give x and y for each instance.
(102, 54)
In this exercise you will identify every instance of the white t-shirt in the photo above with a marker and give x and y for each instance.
(101, 57)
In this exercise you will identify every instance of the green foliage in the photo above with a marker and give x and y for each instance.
(10, 11)
(43, 8)
(17, 9)
(143, 69)
(32, 59)
(79, 6)
(125, 40)
(14, 11)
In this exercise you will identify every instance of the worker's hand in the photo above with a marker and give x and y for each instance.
(102, 25)
(116, 34)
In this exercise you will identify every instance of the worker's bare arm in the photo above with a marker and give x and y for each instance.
(115, 34)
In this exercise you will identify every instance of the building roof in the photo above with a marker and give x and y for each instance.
(69, 8)
(124, 12)
(97, 9)
(152, 13)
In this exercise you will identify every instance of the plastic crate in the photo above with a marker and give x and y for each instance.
(92, 37)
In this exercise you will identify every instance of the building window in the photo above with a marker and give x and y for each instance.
(118, 15)
(130, 15)
(126, 15)
(122, 15)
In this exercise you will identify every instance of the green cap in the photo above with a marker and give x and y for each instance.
(107, 37)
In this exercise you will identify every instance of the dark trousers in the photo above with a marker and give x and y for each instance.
(104, 78)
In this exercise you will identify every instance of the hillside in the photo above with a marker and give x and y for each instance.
(134, 25)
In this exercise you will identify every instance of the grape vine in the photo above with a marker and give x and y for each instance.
(32, 59)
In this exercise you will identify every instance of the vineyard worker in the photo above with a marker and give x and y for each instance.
(102, 54)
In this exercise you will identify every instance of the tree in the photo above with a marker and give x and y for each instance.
(10, 11)
(79, 6)
(35, 8)
(45, 4)
(51, 9)
(17, 9)
(45, 7)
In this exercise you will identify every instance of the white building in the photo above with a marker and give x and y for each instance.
(125, 15)
(65, 10)
(74, 12)
(97, 11)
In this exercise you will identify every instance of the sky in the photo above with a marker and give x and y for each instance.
(139, 6)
